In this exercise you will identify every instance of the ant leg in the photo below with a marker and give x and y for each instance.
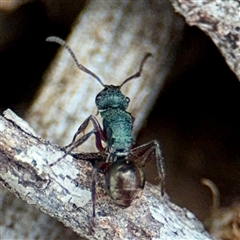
(94, 176)
(74, 145)
(146, 152)
(100, 136)
(99, 164)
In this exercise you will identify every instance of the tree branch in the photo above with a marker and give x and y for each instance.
(218, 19)
(63, 192)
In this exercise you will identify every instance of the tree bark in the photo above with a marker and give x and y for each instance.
(220, 21)
(64, 192)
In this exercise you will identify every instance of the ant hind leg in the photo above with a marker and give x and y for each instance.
(147, 152)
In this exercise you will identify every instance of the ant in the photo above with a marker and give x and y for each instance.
(121, 164)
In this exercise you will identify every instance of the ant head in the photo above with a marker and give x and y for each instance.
(111, 97)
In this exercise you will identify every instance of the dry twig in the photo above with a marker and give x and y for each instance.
(63, 192)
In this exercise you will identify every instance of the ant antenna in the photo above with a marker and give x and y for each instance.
(138, 74)
(80, 66)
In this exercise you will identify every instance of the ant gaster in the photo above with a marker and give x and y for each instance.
(121, 164)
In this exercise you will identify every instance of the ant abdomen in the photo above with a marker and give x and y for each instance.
(125, 181)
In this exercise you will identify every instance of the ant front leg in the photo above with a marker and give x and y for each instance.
(147, 152)
(97, 130)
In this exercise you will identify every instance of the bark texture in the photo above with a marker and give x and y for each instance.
(64, 192)
(218, 19)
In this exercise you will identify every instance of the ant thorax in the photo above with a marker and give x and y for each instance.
(117, 123)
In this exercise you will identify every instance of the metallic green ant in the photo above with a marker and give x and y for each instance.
(121, 164)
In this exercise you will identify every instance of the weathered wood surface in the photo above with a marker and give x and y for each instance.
(64, 192)
(218, 19)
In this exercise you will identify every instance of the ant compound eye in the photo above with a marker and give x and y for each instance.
(127, 99)
(98, 97)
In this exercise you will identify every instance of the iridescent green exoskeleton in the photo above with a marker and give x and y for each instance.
(121, 164)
